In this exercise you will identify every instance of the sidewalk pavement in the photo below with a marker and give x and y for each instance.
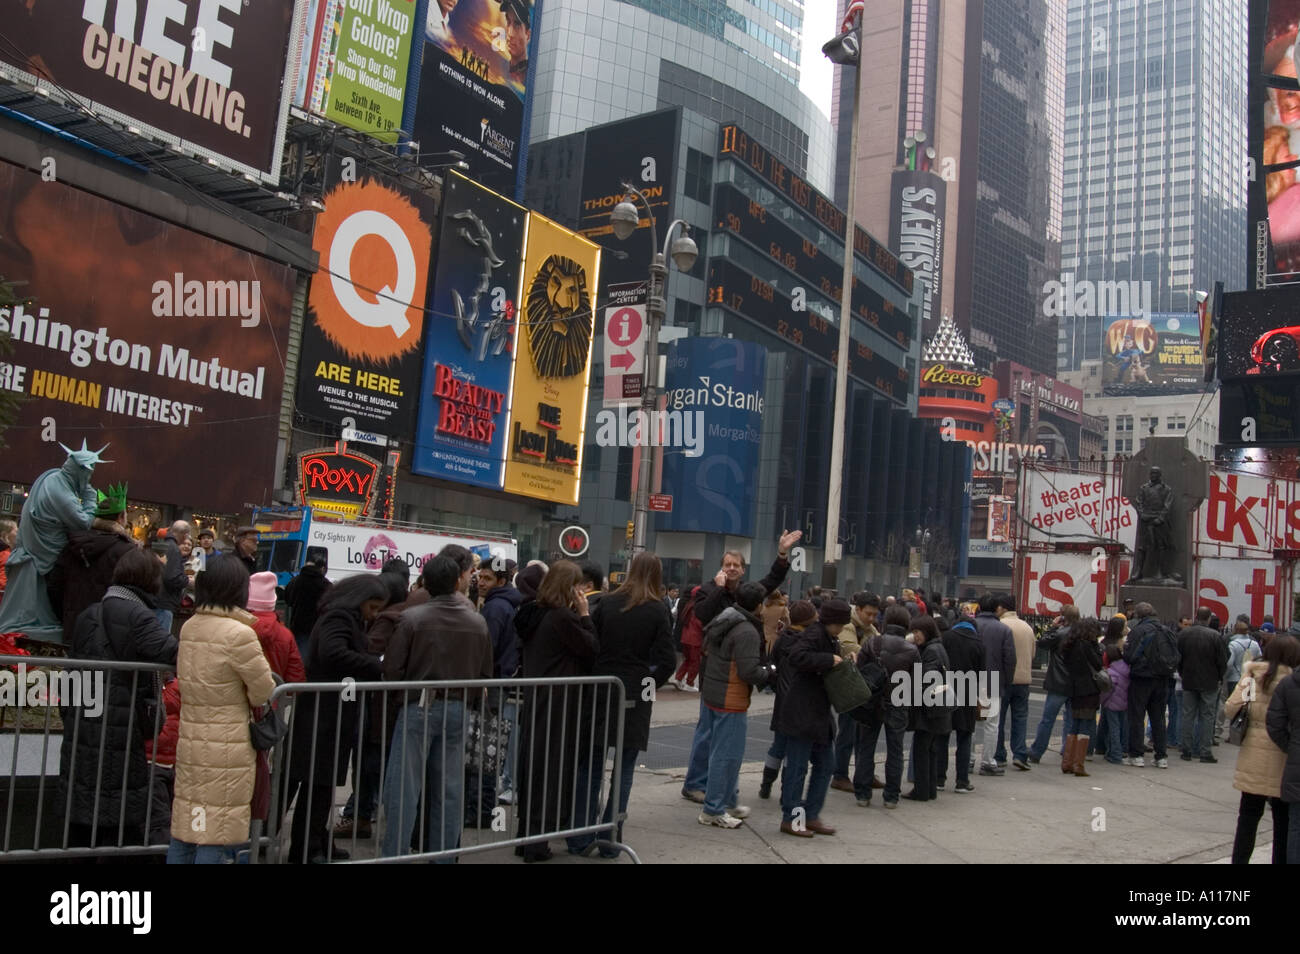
(1186, 814)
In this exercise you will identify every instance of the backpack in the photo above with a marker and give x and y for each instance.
(1164, 656)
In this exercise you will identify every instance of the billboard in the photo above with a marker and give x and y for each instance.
(1274, 135)
(549, 410)
(354, 62)
(164, 344)
(1259, 412)
(1062, 507)
(1259, 333)
(462, 434)
(473, 84)
(202, 75)
(720, 382)
(916, 231)
(1158, 353)
(366, 319)
(357, 548)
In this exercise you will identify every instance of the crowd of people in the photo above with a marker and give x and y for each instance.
(173, 760)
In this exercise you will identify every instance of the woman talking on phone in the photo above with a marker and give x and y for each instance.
(557, 639)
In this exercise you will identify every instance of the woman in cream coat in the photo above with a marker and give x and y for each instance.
(1260, 761)
(222, 673)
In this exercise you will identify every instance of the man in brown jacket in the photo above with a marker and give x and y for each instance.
(1015, 698)
(443, 639)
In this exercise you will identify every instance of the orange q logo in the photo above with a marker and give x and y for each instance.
(1143, 335)
(376, 248)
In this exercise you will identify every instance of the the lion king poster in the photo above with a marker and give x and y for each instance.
(557, 319)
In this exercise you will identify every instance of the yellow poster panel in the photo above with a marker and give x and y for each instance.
(553, 359)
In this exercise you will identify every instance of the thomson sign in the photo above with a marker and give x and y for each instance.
(916, 231)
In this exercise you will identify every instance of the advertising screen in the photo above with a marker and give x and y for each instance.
(557, 320)
(1259, 333)
(162, 343)
(1152, 354)
(470, 350)
(719, 381)
(365, 319)
(204, 75)
(1274, 138)
(355, 58)
(473, 84)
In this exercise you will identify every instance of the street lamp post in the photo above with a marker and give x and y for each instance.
(624, 220)
(844, 50)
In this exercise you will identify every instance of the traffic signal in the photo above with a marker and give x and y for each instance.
(630, 525)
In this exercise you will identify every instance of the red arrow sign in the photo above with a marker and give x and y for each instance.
(661, 502)
(623, 360)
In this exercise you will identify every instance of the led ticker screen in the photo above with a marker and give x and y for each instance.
(737, 213)
(735, 143)
(749, 296)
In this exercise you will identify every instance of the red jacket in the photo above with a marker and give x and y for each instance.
(163, 750)
(279, 646)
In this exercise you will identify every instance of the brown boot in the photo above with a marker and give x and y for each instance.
(1067, 755)
(1080, 755)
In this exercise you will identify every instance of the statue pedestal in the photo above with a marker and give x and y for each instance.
(1171, 603)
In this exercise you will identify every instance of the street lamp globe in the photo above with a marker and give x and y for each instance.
(624, 219)
(685, 252)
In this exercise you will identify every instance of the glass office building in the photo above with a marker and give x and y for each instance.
(1154, 192)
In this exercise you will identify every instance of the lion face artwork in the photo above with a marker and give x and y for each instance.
(559, 318)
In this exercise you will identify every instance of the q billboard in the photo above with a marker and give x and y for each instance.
(365, 323)
(720, 382)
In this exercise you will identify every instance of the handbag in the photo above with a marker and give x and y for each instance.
(1101, 679)
(846, 687)
(1238, 726)
(266, 728)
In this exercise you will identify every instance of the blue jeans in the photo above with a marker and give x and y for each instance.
(727, 751)
(427, 763)
(894, 722)
(184, 853)
(588, 789)
(1044, 734)
(776, 752)
(1116, 728)
(1198, 721)
(799, 754)
(846, 734)
(510, 712)
(697, 771)
(1083, 726)
(1015, 699)
(965, 743)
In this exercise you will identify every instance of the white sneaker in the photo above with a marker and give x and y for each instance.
(738, 811)
(688, 687)
(1162, 763)
(1137, 762)
(720, 821)
(672, 681)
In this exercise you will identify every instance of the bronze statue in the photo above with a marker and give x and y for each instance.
(1154, 503)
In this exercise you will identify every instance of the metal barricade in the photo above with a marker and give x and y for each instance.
(79, 784)
(413, 745)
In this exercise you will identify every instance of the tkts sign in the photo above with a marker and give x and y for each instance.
(344, 483)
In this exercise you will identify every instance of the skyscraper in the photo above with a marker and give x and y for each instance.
(1155, 123)
(973, 79)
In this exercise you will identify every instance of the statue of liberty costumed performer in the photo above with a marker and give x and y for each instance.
(60, 501)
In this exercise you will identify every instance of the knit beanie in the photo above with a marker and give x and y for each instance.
(802, 613)
(529, 579)
(834, 611)
(261, 593)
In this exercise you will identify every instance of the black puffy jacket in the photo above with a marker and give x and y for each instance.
(121, 627)
(805, 706)
(1283, 721)
(966, 654)
(1057, 679)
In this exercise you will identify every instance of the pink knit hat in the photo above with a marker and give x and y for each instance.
(261, 593)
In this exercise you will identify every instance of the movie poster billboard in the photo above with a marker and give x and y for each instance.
(365, 313)
(549, 410)
(714, 388)
(474, 84)
(202, 75)
(354, 62)
(462, 432)
(1259, 333)
(164, 344)
(1156, 353)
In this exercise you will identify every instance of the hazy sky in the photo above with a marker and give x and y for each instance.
(819, 25)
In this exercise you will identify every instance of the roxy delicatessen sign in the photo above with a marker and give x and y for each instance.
(331, 480)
